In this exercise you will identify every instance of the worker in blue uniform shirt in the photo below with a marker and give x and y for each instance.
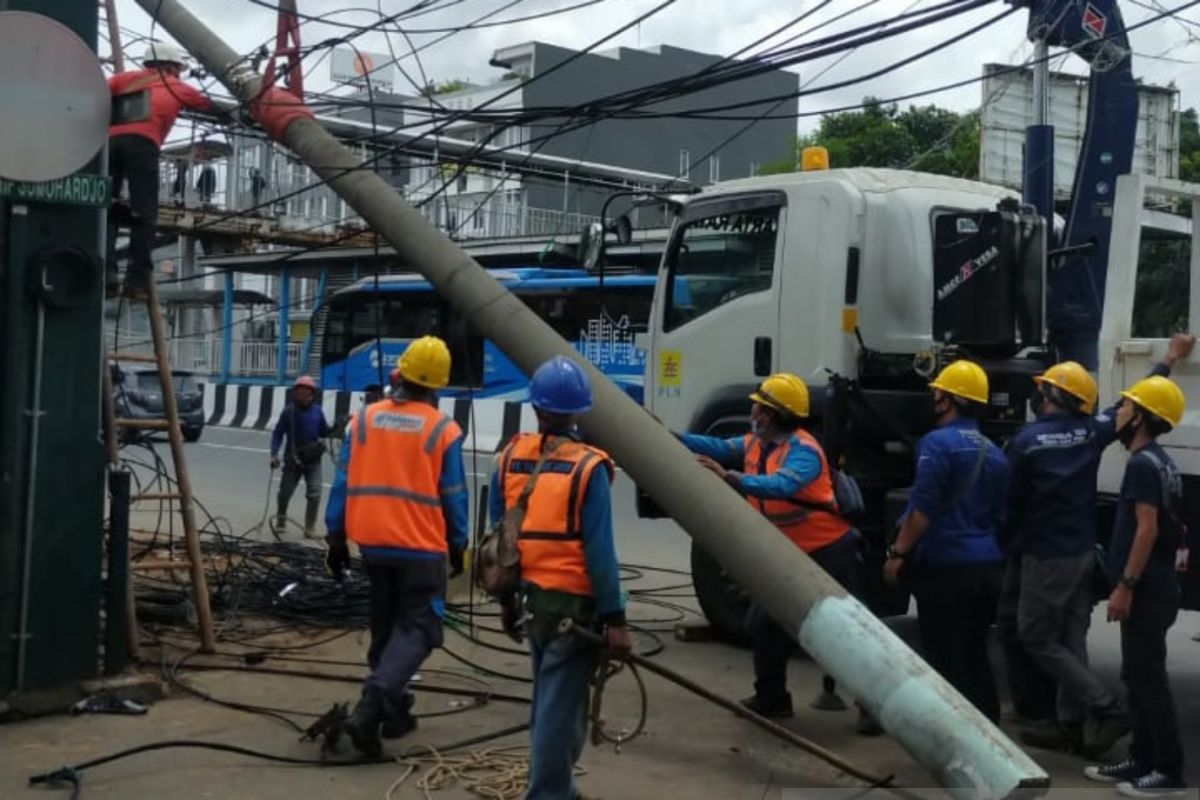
(1148, 547)
(400, 495)
(1050, 539)
(569, 568)
(947, 536)
(781, 470)
(303, 427)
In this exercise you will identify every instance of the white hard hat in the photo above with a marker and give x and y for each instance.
(163, 52)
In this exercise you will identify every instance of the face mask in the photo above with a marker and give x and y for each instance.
(1037, 401)
(941, 407)
(1125, 434)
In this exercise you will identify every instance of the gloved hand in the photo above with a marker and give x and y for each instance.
(510, 616)
(617, 644)
(456, 561)
(274, 462)
(337, 558)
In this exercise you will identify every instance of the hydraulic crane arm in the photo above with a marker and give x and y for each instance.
(1094, 31)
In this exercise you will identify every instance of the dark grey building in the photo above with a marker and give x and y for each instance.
(698, 150)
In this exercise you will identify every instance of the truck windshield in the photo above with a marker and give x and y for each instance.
(720, 256)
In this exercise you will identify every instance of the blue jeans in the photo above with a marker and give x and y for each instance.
(558, 718)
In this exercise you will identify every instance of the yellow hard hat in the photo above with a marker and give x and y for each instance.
(1158, 396)
(1073, 379)
(785, 392)
(426, 362)
(964, 379)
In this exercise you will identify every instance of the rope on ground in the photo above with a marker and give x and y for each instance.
(495, 773)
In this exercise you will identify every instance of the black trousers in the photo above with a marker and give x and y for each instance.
(406, 622)
(1156, 741)
(773, 646)
(134, 159)
(1033, 692)
(956, 606)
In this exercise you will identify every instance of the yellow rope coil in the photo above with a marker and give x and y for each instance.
(496, 773)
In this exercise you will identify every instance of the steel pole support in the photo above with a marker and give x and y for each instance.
(285, 301)
(927, 716)
(1038, 188)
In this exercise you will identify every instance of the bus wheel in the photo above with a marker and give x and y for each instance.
(723, 602)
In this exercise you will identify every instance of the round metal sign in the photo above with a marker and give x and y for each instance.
(54, 100)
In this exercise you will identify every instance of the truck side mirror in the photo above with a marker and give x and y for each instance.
(591, 245)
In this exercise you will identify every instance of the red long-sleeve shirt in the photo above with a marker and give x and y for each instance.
(168, 95)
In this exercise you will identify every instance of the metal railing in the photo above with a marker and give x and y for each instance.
(204, 355)
(261, 179)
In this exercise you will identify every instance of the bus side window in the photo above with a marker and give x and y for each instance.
(337, 335)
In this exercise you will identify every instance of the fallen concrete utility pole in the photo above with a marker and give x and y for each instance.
(773, 728)
(924, 713)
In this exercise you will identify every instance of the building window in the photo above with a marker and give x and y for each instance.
(685, 163)
(714, 169)
(462, 182)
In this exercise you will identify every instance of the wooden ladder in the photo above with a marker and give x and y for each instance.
(194, 564)
(108, 16)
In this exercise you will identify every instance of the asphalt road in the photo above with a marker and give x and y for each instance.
(230, 475)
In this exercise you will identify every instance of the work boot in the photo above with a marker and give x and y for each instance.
(311, 511)
(1101, 732)
(777, 708)
(828, 699)
(398, 719)
(280, 523)
(1048, 735)
(362, 726)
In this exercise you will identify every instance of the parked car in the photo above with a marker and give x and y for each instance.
(137, 394)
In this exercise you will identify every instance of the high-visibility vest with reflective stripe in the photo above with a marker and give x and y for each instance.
(809, 518)
(392, 487)
(551, 540)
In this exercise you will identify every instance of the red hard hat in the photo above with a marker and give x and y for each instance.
(306, 382)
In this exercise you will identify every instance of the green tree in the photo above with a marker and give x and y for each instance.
(445, 87)
(925, 138)
(1189, 146)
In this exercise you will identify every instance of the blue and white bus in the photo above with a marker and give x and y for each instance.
(600, 321)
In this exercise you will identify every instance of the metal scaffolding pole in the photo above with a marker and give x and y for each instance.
(928, 717)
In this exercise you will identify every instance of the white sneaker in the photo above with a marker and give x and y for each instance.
(1153, 784)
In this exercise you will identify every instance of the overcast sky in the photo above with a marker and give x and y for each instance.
(1165, 51)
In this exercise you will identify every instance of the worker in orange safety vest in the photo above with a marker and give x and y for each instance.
(400, 494)
(569, 568)
(781, 471)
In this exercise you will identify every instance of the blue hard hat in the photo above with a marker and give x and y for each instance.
(560, 386)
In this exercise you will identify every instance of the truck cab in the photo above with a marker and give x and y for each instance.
(865, 282)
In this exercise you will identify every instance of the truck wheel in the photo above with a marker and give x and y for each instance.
(722, 601)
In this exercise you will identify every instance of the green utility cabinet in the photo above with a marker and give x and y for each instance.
(55, 614)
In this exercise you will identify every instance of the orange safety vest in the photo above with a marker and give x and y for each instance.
(809, 518)
(551, 539)
(392, 494)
